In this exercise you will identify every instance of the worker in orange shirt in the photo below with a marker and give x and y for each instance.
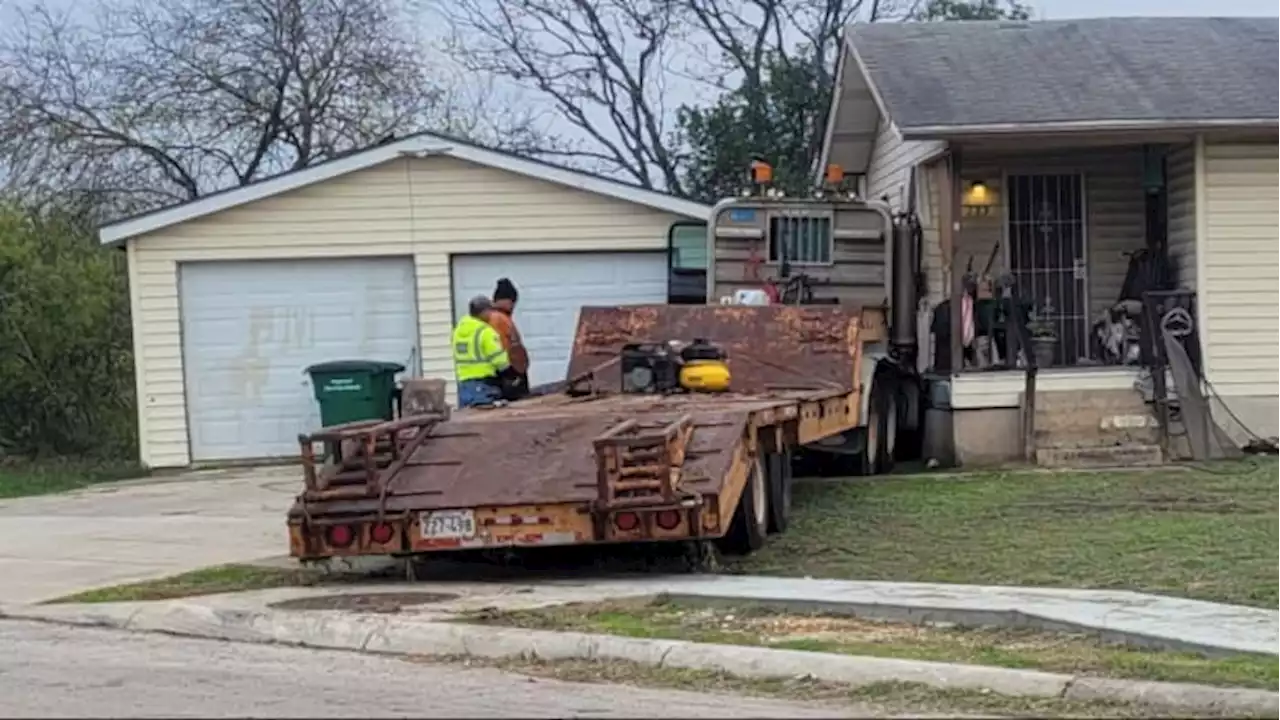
(504, 306)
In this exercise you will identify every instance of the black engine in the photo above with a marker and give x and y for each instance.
(649, 368)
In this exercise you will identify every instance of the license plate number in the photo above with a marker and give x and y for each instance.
(448, 524)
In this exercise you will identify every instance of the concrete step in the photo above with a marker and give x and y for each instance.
(1094, 418)
(1101, 401)
(1081, 430)
(1101, 457)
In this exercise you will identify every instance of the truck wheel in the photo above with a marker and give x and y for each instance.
(889, 427)
(779, 476)
(750, 521)
(869, 458)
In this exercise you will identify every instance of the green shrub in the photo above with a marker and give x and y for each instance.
(66, 366)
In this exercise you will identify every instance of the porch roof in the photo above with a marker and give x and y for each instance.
(949, 79)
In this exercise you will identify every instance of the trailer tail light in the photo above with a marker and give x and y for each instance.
(668, 519)
(626, 521)
(382, 533)
(341, 536)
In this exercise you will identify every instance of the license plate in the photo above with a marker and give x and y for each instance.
(448, 524)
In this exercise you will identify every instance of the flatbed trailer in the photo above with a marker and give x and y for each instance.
(591, 464)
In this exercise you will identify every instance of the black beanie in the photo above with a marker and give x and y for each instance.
(505, 291)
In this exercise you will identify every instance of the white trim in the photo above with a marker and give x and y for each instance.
(833, 114)
(139, 357)
(942, 132)
(1202, 255)
(424, 145)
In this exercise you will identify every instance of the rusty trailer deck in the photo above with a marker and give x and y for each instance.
(562, 469)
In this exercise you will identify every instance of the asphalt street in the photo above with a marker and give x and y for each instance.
(60, 671)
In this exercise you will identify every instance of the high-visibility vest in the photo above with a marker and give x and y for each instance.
(477, 350)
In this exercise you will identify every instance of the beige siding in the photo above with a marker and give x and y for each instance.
(888, 173)
(1180, 182)
(424, 208)
(1239, 278)
(1114, 206)
(892, 158)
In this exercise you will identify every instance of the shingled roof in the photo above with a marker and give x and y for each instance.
(935, 78)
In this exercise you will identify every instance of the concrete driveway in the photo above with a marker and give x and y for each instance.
(53, 545)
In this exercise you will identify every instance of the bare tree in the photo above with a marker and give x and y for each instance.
(607, 66)
(150, 103)
(599, 63)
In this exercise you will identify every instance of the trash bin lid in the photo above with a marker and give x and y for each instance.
(346, 366)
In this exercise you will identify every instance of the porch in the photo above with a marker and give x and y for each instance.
(1066, 237)
(1061, 237)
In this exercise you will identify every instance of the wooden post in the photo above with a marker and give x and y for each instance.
(952, 201)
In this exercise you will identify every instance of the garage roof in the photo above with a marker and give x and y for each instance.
(421, 145)
(949, 78)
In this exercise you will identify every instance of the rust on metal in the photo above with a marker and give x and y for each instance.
(768, 346)
(678, 451)
(638, 463)
(542, 451)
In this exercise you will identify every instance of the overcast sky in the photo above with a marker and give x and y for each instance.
(1043, 9)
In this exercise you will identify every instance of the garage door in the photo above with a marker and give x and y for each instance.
(250, 328)
(553, 286)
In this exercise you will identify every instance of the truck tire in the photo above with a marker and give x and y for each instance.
(750, 522)
(779, 477)
(889, 423)
(868, 461)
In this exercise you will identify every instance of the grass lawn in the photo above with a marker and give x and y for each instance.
(1013, 648)
(19, 478)
(207, 581)
(1207, 533)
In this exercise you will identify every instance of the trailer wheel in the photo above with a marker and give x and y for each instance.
(779, 476)
(750, 522)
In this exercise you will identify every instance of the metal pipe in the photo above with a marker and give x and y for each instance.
(902, 302)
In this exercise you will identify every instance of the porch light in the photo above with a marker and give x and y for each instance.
(978, 199)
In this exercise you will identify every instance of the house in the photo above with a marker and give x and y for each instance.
(1055, 149)
(371, 255)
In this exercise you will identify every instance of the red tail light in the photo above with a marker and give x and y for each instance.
(341, 536)
(382, 533)
(668, 519)
(626, 521)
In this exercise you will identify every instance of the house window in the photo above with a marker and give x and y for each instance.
(803, 239)
(689, 247)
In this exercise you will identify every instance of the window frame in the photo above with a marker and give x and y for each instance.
(673, 251)
(828, 215)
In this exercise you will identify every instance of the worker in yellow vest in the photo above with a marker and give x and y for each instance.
(479, 359)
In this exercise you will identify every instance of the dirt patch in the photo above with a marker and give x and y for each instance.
(363, 602)
(764, 626)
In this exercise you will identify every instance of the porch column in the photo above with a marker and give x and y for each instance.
(952, 207)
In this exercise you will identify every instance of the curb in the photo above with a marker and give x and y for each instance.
(400, 636)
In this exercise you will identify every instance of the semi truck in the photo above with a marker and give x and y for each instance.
(676, 423)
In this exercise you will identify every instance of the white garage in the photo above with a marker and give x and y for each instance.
(365, 257)
(553, 286)
(249, 329)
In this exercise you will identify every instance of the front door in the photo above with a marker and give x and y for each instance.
(1047, 255)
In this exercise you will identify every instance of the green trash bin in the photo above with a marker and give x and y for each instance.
(353, 390)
